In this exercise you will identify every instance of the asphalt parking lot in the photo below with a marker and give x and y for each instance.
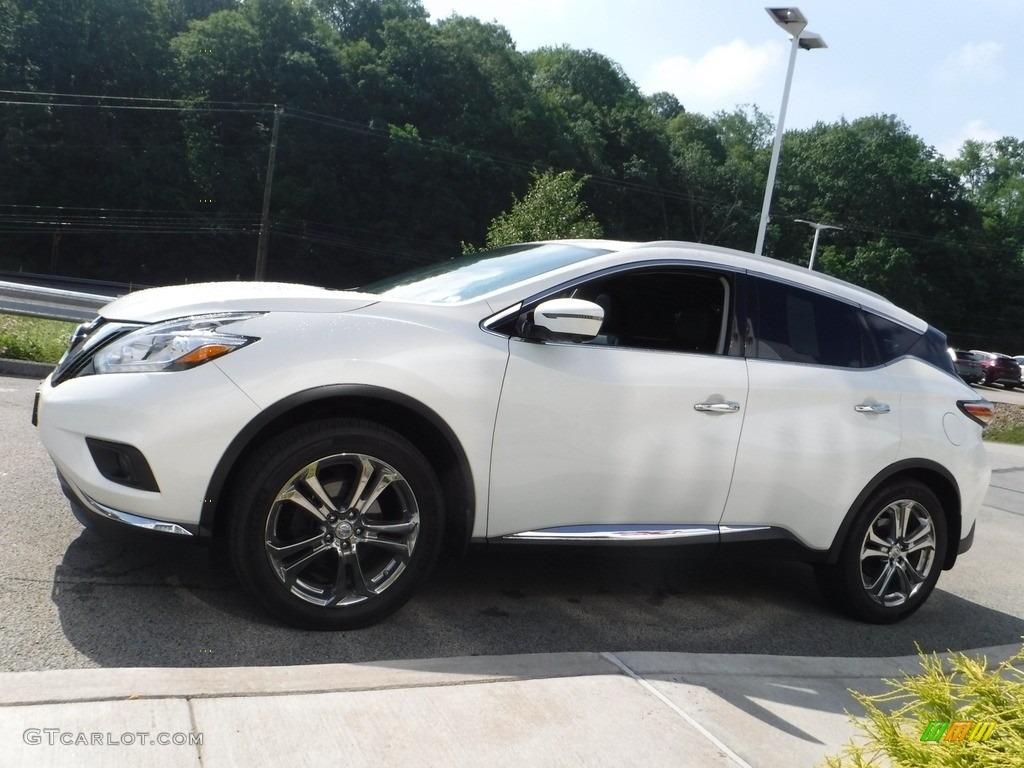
(71, 600)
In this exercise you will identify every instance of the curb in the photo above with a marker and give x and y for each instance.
(24, 369)
(104, 684)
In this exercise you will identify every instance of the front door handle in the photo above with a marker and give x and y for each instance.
(727, 407)
(872, 408)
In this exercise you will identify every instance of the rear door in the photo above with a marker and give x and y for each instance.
(822, 417)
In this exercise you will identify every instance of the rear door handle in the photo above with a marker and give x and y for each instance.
(727, 407)
(872, 408)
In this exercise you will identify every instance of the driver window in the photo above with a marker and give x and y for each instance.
(675, 311)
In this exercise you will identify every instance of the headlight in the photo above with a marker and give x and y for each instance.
(172, 346)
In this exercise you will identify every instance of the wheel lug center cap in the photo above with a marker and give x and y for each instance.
(344, 529)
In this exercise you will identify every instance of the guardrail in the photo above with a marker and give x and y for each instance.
(49, 303)
(99, 287)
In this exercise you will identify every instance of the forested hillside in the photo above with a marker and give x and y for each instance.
(136, 136)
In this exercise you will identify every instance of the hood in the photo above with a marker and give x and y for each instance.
(158, 304)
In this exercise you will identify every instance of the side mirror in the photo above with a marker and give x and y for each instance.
(566, 320)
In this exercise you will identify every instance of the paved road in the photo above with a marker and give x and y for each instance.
(69, 599)
(1000, 394)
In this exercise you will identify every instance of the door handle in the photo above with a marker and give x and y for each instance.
(872, 408)
(727, 407)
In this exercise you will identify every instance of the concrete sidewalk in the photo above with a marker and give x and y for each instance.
(576, 709)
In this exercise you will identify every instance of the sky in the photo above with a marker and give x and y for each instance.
(949, 70)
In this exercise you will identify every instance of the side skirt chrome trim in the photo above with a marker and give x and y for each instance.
(650, 533)
(616, 533)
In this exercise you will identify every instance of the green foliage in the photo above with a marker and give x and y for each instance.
(1007, 426)
(720, 164)
(550, 210)
(404, 136)
(967, 690)
(29, 338)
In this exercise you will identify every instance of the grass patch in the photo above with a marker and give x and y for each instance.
(32, 338)
(1007, 426)
(962, 690)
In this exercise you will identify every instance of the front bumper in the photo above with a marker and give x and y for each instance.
(180, 422)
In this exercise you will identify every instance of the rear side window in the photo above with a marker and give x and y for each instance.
(892, 340)
(799, 326)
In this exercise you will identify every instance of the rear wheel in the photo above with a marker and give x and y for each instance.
(335, 524)
(892, 557)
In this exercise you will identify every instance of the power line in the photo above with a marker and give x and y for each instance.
(139, 103)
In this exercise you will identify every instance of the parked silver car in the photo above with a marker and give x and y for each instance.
(968, 365)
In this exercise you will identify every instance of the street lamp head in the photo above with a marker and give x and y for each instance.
(790, 19)
(811, 40)
(816, 224)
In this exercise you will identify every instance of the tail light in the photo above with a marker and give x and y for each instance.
(980, 411)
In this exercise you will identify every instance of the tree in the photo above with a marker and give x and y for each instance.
(992, 174)
(550, 210)
(903, 212)
(606, 128)
(719, 165)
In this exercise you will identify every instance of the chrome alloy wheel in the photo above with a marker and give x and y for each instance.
(898, 552)
(342, 529)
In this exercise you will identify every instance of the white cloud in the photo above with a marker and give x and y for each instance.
(976, 130)
(972, 62)
(721, 77)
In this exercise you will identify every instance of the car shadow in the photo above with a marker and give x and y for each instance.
(135, 605)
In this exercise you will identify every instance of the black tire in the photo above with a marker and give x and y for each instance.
(895, 577)
(334, 524)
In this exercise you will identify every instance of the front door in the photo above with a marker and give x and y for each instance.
(635, 432)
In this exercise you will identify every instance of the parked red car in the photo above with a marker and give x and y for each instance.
(1000, 369)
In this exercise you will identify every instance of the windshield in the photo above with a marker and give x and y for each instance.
(475, 274)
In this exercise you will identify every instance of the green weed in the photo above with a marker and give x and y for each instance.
(30, 338)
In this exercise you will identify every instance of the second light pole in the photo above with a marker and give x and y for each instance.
(818, 226)
(794, 22)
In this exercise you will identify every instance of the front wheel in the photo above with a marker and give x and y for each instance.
(892, 556)
(334, 524)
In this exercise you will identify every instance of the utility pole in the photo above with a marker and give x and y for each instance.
(54, 251)
(261, 249)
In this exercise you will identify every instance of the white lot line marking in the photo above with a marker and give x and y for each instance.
(675, 708)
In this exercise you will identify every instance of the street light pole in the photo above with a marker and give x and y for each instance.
(794, 22)
(817, 231)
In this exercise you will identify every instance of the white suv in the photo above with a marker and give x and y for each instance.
(586, 392)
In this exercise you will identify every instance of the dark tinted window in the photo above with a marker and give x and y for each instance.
(931, 347)
(800, 326)
(678, 311)
(675, 310)
(891, 340)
